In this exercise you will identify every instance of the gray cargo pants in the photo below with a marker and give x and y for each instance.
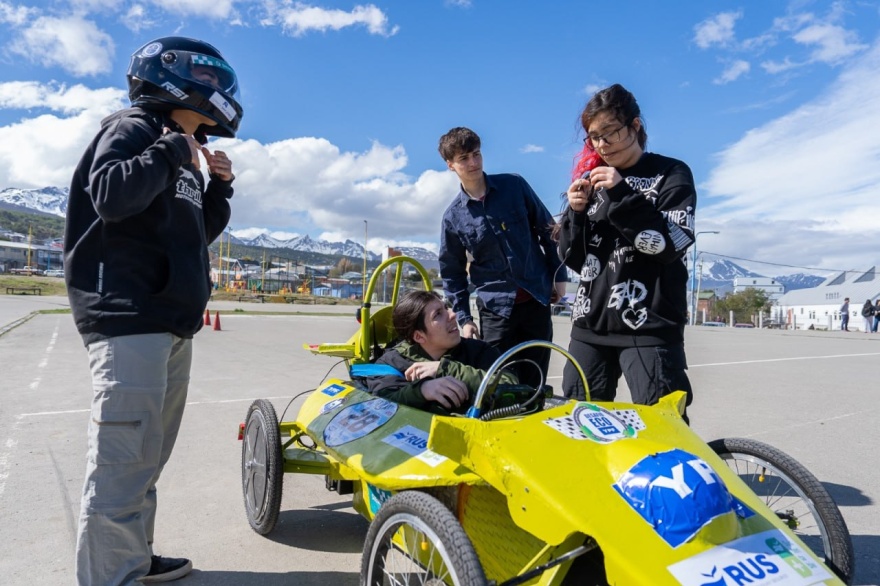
(140, 384)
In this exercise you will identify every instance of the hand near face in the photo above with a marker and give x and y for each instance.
(219, 164)
(448, 391)
(194, 147)
(420, 370)
(605, 177)
(470, 330)
(579, 194)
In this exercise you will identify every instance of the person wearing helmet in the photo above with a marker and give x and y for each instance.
(139, 220)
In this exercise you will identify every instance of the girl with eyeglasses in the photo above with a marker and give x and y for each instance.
(627, 224)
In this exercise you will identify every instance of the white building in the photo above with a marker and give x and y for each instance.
(773, 288)
(819, 306)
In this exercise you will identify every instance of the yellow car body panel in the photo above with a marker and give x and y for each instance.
(558, 490)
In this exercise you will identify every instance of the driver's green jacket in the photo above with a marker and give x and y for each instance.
(467, 362)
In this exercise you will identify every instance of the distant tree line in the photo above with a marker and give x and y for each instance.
(45, 227)
(744, 304)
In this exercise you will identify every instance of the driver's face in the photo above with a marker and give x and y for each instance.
(206, 75)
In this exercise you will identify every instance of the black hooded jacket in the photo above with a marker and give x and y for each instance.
(139, 220)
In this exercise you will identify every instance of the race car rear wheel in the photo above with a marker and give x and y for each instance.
(796, 496)
(415, 539)
(262, 468)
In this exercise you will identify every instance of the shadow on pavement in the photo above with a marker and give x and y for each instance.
(847, 496)
(317, 529)
(197, 578)
(867, 552)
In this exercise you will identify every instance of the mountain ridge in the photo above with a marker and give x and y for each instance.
(716, 275)
(53, 201)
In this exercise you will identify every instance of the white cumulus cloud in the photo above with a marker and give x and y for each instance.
(286, 184)
(43, 150)
(733, 72)
(73, 43)
(717, 30)
(298, 19)
(811, 173)
(214, 9)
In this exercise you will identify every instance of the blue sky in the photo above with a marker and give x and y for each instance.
(775, 106)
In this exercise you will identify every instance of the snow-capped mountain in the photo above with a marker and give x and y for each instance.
(53, 200)
(49, 200)
(348, 248)
(718, 275)
(800, 281)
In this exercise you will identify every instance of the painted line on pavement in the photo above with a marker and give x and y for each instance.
(763, 360)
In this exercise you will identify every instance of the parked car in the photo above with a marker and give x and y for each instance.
(55, 273)
(744, 325)
(715, 324)
(28, 271)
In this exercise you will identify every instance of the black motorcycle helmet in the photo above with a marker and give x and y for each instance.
(176, 72)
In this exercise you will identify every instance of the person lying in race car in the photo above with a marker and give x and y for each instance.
(441, 371)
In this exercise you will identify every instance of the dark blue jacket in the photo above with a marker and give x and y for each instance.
(507, 236)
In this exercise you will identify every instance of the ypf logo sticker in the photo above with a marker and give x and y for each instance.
(600, 424)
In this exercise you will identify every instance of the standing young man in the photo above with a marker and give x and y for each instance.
(496, 235)
(139, 220)
(844, 315)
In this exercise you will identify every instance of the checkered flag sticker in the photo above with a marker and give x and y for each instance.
(567, 426)
(198, 59)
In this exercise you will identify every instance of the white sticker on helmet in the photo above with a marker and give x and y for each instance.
(223, 105)
(151, 49)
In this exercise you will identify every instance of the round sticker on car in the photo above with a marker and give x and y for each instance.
(600, 424)
(358, 420)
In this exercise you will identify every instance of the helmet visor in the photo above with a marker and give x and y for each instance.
(203, 69)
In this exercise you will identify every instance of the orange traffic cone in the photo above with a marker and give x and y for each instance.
(207, 317)
(217, 321)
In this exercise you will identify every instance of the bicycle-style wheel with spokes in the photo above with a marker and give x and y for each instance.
(796, 496)
(416, 540)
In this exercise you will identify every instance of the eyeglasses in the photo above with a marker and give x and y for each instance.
(612, 137)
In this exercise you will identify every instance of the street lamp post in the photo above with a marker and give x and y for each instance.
(364, 283)
(694, 300)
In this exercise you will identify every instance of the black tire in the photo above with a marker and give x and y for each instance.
(262, 467)
(796, 496)
(422, 518)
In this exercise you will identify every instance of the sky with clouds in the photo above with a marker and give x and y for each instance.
(772, 104)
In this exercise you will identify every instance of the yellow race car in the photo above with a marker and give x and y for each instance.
(529, 489)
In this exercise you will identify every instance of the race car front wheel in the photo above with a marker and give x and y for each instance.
(262, 468)
(416, 540)
(796, 496)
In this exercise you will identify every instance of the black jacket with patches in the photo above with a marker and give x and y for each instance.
(139, 220)
(629, 246)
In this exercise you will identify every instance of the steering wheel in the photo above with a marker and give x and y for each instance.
(477, 409)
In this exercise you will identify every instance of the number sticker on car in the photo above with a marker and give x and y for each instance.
(358, 420)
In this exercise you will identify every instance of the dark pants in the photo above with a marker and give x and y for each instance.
(651, 372)
(844, 321)
(530, 320)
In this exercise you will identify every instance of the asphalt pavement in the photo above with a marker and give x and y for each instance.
(811, 394)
